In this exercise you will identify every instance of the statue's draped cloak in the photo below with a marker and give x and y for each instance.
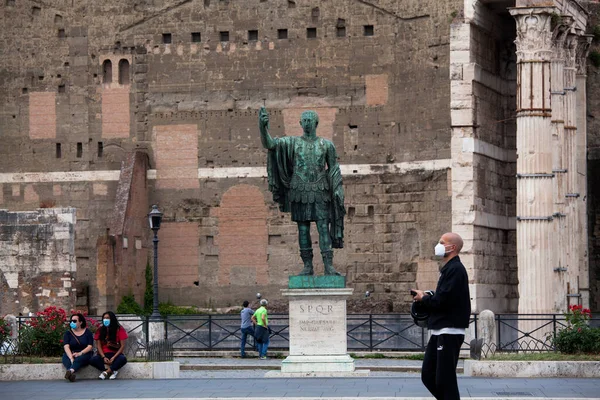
(280, 169)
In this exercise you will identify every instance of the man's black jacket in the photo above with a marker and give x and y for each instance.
(450, 306)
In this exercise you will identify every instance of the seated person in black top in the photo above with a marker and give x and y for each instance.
(78, 342)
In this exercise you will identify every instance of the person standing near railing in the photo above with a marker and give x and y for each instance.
(261, 319)
(246, 328)
(449, 311)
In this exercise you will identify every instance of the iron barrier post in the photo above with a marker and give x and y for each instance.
(370, 332)
(210, 332)
(498, 317)
(147, 323)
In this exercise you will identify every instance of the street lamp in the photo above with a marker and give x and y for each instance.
(154, 218)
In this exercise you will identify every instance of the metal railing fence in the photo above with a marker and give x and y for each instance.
(366, 332)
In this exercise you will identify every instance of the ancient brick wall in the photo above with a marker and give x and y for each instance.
(85, 84)
(37, 260)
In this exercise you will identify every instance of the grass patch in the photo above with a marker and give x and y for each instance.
(544, 357)
(419, 356)
(391, 356)
(374, 355)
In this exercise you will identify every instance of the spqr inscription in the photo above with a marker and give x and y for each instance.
(320, 309)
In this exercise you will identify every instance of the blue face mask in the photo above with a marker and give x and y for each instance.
(73, 325)
(106, 322)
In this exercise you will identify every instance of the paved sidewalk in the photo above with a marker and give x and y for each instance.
(305, 388)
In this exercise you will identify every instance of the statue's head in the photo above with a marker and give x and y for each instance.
(309, 122)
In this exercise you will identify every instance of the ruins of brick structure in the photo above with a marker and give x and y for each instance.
(110, 107)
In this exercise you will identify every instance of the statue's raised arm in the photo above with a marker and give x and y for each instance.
(263, 125)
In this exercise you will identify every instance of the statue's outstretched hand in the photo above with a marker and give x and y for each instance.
(263, 117)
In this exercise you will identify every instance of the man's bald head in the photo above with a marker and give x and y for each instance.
(451, 238)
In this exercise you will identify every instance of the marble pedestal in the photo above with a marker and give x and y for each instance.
(317, 326)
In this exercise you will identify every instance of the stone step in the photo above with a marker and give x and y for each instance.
(233, 367)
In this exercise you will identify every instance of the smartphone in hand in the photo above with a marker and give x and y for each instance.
(413, 293)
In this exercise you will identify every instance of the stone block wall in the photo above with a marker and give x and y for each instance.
(483, 74)
(37, 260)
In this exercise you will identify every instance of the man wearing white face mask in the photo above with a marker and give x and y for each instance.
(449, 312)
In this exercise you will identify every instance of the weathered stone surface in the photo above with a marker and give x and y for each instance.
(317, 326)
(316, 282)
(37, 259)
(533, 369)
(47, 372)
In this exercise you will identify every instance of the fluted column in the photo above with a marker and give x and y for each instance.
(583, 277)
(559, 167)
(569, 156)
(535, 201)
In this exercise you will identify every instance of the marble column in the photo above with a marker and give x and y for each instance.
(571, 195)
(535, 202)
(559, 167)
(583, 277)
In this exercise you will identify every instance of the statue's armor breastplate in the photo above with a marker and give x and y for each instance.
(309, 180)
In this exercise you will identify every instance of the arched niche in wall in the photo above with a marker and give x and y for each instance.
(107, 71)
(123, 72)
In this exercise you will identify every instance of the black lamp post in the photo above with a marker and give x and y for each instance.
(154, 218)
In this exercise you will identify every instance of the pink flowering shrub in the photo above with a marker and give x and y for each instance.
(42, 335)
(578, 337)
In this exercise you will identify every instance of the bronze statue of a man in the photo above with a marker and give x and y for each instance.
(305, 179)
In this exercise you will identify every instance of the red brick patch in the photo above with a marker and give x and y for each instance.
(176, 154)
(243, 235)
(178, 254)
(42, 115)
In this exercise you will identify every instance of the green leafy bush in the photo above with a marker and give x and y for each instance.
(128, 305)
(578, 337)
(578, 340)
(4, 330)
(171, 309)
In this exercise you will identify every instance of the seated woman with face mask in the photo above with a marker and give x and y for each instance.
(110, 341)
(78, 342)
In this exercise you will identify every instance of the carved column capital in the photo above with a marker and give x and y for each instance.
(583, 48)
(534, 33)
(570, 47)
(559, 37)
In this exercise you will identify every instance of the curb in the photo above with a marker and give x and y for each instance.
(285, 353)
(230, 367)
(368, 398)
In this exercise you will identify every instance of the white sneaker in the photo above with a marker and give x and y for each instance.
(114, 375)
(103, 375)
